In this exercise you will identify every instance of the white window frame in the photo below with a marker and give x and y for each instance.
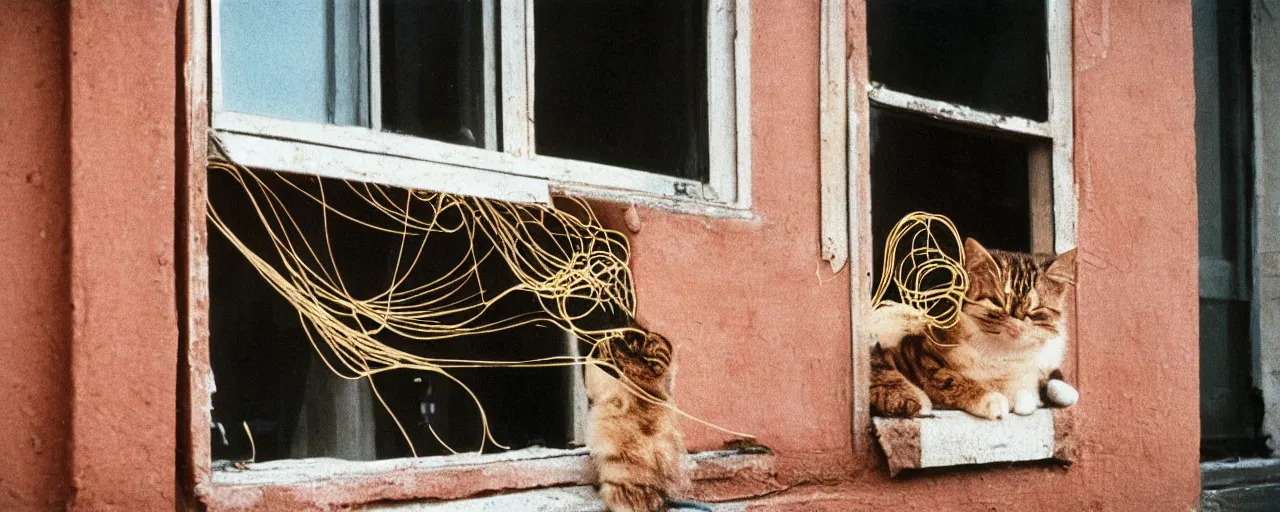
(518, 173)
(847, 95)
(1053, 230)
(1052, 172)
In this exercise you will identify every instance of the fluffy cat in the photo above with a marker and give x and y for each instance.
(1002, 356)
(635, 444)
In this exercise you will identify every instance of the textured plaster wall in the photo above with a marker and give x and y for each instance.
(34, 306)
(124, 327)
(89, 362)
(88, 341)
(760, 323)
(761, 331)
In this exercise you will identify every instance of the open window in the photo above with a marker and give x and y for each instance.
(627, 100)
(276, 380)
(970, 117)
(512, 100)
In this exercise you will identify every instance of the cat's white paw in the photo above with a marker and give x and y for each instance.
(1025, 402)
(891, 322)
(992, 406)
(1060, 393)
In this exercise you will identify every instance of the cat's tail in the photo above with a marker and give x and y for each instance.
(628, 497)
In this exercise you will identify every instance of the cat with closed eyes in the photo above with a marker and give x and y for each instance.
(1002, 356)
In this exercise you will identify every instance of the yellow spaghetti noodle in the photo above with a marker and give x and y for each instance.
(925, 276)
(573, 266)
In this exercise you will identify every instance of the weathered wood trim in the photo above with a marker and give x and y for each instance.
(375, 64)
(859, 222)
(955, 112)
(1061, 124)
(517, 77)
(213, 52)
(366, 140)
(577, 172)
(833, 129)
(488, 35)
(721, 98)
(1040, 181)
(345, 164)
(742, 100)
(195, 401)
(450, 477)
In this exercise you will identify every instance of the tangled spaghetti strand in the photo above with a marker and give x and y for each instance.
(573, 266)
(926, 277)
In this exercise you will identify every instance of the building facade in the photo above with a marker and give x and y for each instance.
(759, 277)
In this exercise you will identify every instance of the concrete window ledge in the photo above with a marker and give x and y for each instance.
(953, 438)
(524, 474)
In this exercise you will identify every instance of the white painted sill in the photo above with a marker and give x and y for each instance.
(333, 483)
(955, 438)
(365, 155)
(313, 470)
(566, 499)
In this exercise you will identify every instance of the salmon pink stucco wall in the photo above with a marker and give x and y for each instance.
(88, 357)
(34, 305)
(761, 326)
(89, 362)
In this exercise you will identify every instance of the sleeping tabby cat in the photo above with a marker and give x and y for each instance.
(1002, 356)
(635, 444)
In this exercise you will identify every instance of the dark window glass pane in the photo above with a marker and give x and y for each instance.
(978, 179)
(1223, 125)
(623, 83)
(432, 69)
(1230, 407)
(987, 54)
(302, 60)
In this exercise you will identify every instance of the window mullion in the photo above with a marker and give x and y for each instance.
(488, 26)
(375, 64)
(1060, 123)
(721, 89)
(516, 35)
(215, 56)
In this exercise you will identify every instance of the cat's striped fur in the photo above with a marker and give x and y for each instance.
(635, 444)
(1001, 356)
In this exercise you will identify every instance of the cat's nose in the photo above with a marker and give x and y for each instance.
(1013, 329)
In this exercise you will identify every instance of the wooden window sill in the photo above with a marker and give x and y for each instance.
(333, 483)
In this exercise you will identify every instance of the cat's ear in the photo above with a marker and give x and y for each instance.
(977, 260)
(982, 269)
(1063, 268)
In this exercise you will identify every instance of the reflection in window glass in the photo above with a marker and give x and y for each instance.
(987, 54)
(432, 69)
(623, 83)
(301, 60)
(978, 179)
